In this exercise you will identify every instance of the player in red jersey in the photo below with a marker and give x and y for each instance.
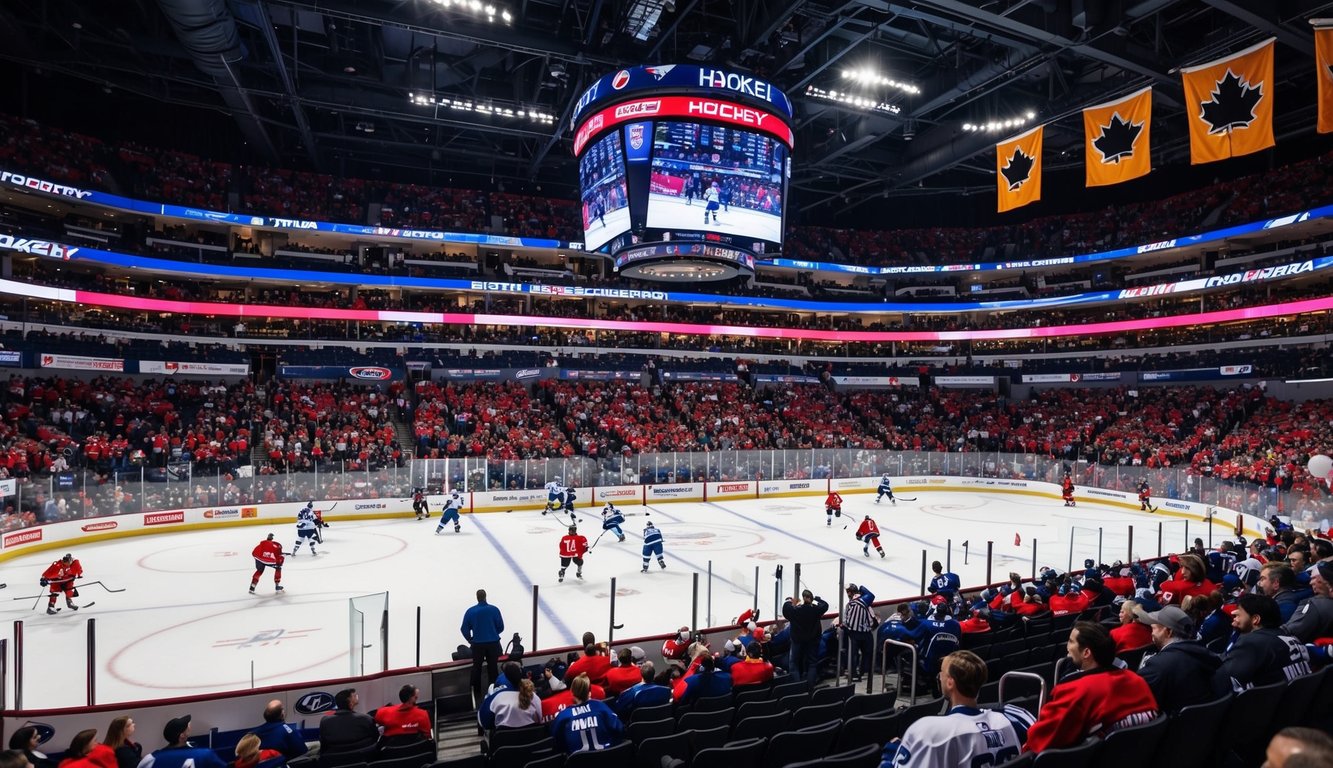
(268, 553)
(572, 547)
(833, 506)
(868, 532)
(1067, 491)
(60, 577)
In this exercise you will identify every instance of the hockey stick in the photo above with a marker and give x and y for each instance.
(599, 538)
(904, 498)
(103, 586)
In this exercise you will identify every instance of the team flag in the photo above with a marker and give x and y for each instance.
(1116, 139)
(1018, 170)
(1229, 103)
(1323, 60)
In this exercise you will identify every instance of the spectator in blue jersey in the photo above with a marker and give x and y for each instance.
(702, 680)
(512, 702)
(275, 733)
(482, 628)
(586, 724)
(179, 753)
(644, 694)
(945, 585)
(938, 635)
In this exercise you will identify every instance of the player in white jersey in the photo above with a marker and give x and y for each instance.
(968, 735)
(453, 503)
(307, 527)
(712, 196)
(555, 495)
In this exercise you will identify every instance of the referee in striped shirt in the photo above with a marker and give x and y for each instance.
(858, 624)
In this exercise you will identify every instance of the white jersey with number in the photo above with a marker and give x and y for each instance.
(305, 520)
(965, 737)
(554, 489)
(453, 501)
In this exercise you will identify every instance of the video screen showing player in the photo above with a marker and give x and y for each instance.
(707, 177)
(605, 198)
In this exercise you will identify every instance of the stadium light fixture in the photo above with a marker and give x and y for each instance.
(992, 126)
(478, 8)
(491, 108)
(871, 77)
(853, 100)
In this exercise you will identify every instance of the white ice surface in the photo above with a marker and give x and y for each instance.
(186, 623)
(667, 212)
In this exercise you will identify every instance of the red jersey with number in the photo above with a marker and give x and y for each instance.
(867, 526)
(573, 545)
(62, 571)
(833, 500)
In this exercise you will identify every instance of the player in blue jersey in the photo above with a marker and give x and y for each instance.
(452, 504)
(588, 724)
(885, 489)
(652, 545)
(570, 498)
(945, 585)
(612, 519)
(306, 528)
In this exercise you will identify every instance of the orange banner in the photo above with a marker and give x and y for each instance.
(1018, 170)
(1116, 139)
(1229, 103)
(1323, 61)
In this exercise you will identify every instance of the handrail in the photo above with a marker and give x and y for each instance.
(1041, 697)
(884, 675)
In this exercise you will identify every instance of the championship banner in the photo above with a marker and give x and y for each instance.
(1323, 61)
(1018, 170)
(1116, 139)
(1229, 103)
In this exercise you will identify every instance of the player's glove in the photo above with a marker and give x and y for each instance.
(281, 560)
(45, 582)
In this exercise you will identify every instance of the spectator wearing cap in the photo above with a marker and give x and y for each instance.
(1180, 673)
(732, 652)
(179, 753)
(645, 693)
(858, 626)
(626, 673)
(275, 733)
(1314, 617)
(1278, 581)
(752, 670)
(1131, 633)
(1261, 655)
(344, 729)
(26, 740)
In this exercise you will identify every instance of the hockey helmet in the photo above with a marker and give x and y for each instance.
(270, 537)
(572, 529)
(68, 558)
(558, 479)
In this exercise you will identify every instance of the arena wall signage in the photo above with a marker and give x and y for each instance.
(1068, 378)
(1197, 374)
(369, 373)
(80, 363)
(626, 82)
(185, 368)
(684, 107)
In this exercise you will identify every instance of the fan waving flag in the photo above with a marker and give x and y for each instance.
(1018, 170)
(1323, 61)
(1229, 103)
(1115, 138)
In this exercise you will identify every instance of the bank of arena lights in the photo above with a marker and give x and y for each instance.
(870, 77)
(481, 108)
(853, 100)
(478, 8)
(1001, 125)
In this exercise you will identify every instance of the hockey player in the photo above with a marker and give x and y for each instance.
(1067, 490)
(868, 532)
(452, 504)
(612, 519)
(419, 505)
(306, 528)
(320, 525)
(555, 495)
(572, 547)
(60, 576)
(832, 506)
(1145, 491)
(652, 545)
(885, 489)
(569, 502)
(268, 553)
(712, 196)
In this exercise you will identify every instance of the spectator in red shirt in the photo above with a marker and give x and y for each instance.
(625, 675)
(1131, 633)
(406, 721)
(752, 670)
(593, 664)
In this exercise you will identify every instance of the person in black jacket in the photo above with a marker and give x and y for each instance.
(119, 736)
(345, 729)
(806, 626)
(1180, 674)
(25, 740)
(1261, 655)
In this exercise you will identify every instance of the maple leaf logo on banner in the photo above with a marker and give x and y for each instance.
(1232, 105)
(1117, 139)
(1018, 170)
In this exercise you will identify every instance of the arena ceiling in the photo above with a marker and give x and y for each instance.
(334, 85)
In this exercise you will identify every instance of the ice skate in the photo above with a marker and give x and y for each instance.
(252, 589)
(277, 588)
(50, 611)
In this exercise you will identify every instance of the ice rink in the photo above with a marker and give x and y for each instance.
(595, 234)
(668, 212)
(186, 623)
